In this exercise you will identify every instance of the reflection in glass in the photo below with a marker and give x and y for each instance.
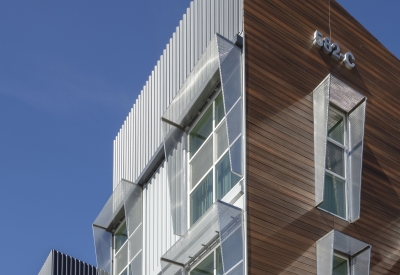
(334, 195)
(224, 177)
(201, 198)
(220, 270)
(336, 126)
(201, 162)
(335, 159)
(221, 141)
(121, 259)
(135, 267)
(201, 131)
(205, 267)
(340, 266)
(120, 237)
(219, 109)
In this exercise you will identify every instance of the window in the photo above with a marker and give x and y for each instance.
(339, 118)
(340, 254)
(335, 188)
(212, 264)
(126, 259)
(220, 229)
(340, 265)
(120, 250)
(118, 231)
(220, 63)
(210, 171)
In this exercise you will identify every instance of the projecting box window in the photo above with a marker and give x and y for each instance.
(339, 118)
(339, 254)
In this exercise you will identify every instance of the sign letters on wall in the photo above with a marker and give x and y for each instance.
(333, 49)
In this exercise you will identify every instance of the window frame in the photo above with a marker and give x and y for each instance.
(211, 137)
(345, 146)
(333, 92)
(211, 102)
(213, 251)
(343, 256)
(115, 253)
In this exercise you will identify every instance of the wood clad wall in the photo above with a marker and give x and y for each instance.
(282, 70)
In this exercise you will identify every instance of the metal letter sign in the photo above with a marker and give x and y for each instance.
(333, 50)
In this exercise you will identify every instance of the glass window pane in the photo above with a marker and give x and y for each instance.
(205, 267)
(120, 237)
(201, 198)
(334, 195)
(220, 270)
(121, 259)
(335, 159)
(201, 163)
(219, 109)
(201, 131)
(224, 177)
(221, 139)
(336, 126)
(135, 267)
(340, 266)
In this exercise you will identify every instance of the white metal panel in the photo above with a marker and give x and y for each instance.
(158, 233)
(141, 134)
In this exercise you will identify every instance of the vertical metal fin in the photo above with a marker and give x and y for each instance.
(325, 254)
(356, 146)
(321, 108)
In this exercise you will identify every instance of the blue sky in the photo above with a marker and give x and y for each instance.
(69, 73)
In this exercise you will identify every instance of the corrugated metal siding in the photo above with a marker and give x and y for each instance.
(141, 134)
(58, 263)
(158, 233)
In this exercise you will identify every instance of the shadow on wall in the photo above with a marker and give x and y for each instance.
(284, 230)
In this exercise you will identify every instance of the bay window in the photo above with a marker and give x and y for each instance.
(339, 120)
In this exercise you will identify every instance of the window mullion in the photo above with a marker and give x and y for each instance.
(336, 175)
(347, 165)
(336, 143)
(214, 153)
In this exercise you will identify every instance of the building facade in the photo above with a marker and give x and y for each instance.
(265, 141)
(58, 263)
